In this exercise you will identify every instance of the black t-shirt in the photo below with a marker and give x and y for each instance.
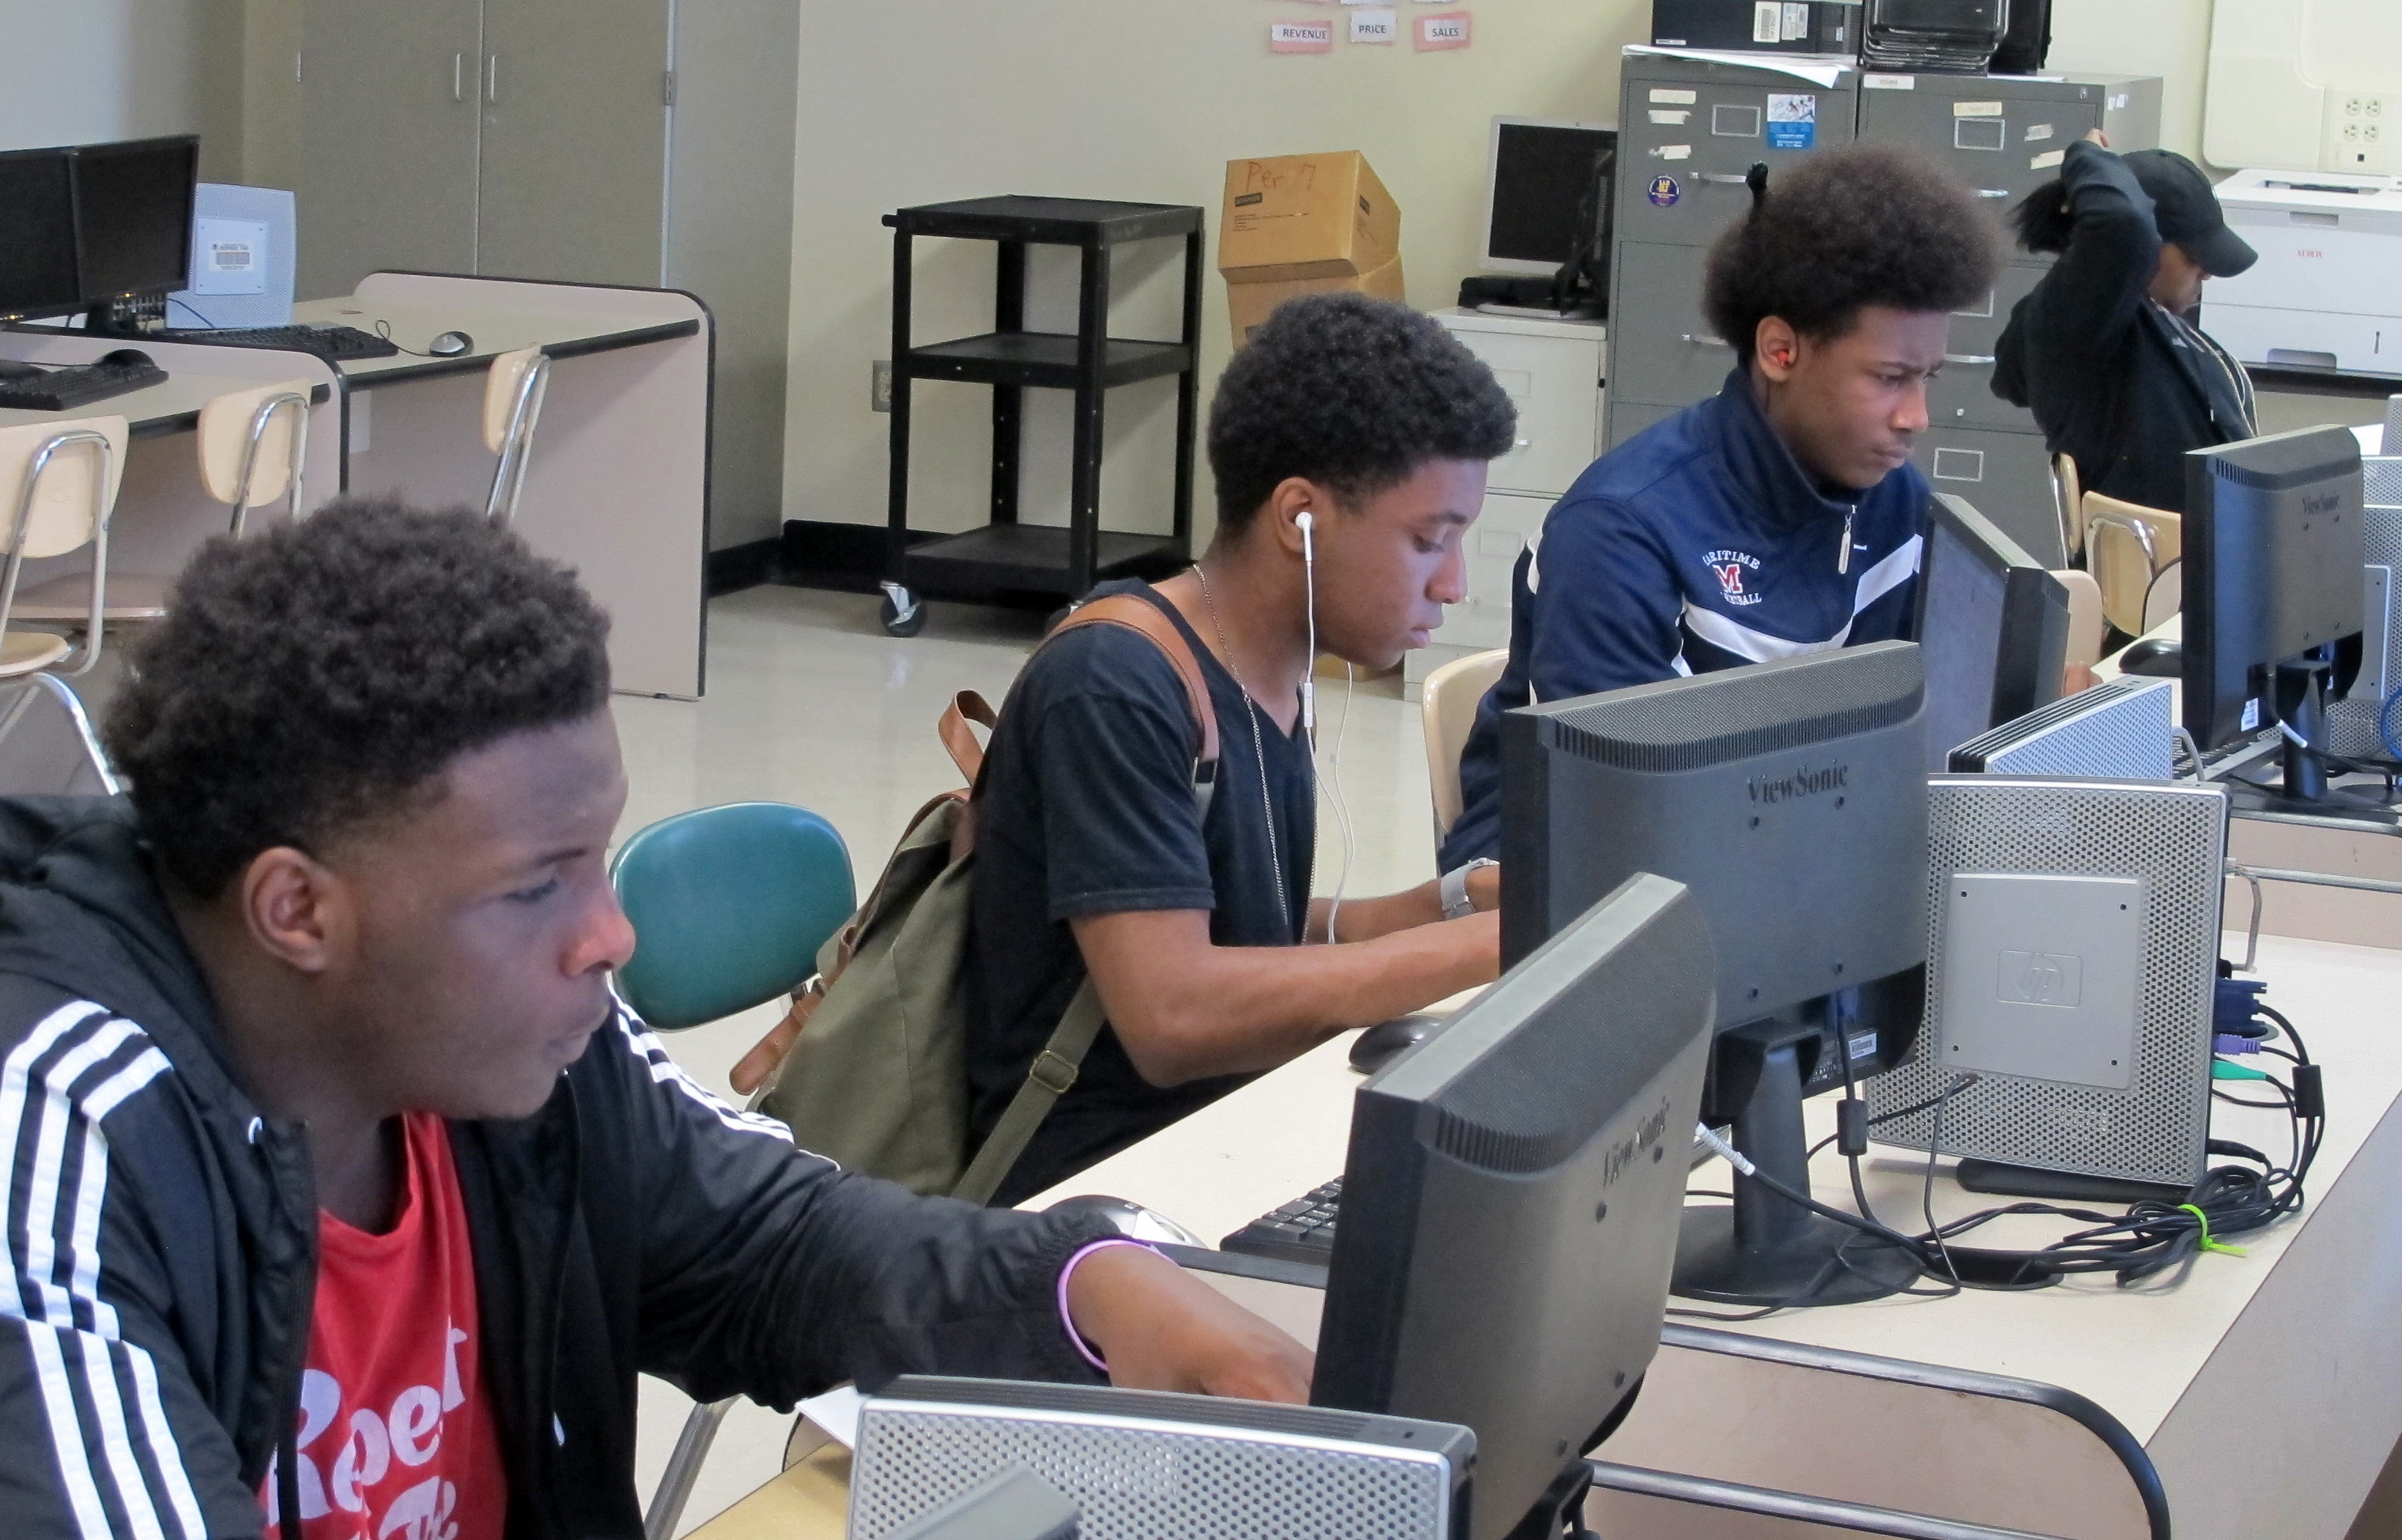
(1087, 808)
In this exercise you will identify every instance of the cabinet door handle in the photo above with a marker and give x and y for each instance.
(492, 79)
(458, 77)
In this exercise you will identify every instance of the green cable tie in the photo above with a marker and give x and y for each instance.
(2207, 1244)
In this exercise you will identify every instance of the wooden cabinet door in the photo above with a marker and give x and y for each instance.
(574, 139)
(388, 158)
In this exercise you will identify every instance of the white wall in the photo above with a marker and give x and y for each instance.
(2170, 38)
(77, 72)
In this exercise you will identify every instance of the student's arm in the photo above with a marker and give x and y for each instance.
(2095, 291)
(1365, 919)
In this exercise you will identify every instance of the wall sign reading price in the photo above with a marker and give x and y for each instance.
(1450, 29)
(1301, 37)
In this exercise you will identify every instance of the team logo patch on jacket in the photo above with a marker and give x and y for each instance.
(1737, 572)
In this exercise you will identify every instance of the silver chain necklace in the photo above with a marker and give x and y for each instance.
(1259, 744)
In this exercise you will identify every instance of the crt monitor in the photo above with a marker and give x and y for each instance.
(2273, 548)
(37, 253)
(1993, 628)
(1511, 1202)
(1790, 797)
(1542, 189)
(133, 216)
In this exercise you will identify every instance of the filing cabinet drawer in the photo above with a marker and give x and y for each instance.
(1663, 351)
(1495, 542)
(1963, 394)
(1555, 383)
(2005, 476)
(1689, 132)
(2001, 138)
(1629, 417)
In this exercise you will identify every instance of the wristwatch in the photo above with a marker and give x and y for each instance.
(1457, 905)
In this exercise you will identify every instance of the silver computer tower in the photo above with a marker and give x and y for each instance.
(2121, 729)
(2058, 1102)
(2352, 720)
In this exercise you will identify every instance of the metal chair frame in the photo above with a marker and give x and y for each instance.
(103, 505)
(259, 420)
(31, 688)
(517, 446)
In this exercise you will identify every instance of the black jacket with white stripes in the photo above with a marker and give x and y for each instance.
(162, 1238)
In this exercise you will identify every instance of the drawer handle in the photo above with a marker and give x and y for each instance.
(1969, 358)
(1993, 192)
(1724, 179)
(1704, 339)
(1523, 442)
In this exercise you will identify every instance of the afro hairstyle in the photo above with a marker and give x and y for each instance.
(1352, 392)
(1845, 229)
(322, 675)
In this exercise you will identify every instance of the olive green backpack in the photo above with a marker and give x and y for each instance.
(873, 1070)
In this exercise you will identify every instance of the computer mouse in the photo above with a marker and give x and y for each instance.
(2155, 657)
(451, 345)
(129, 358)
(1131, 1218)
(1386, 1041)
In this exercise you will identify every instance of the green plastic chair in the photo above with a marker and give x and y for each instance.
(729, 906)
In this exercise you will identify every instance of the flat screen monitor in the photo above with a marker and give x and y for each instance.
(2274, 545)
(1993, 628)
(1790, 797)
(1543, 186)
(37, 253)
(1511, 1196)
(133, 216)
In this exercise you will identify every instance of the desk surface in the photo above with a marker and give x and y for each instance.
(196, 372)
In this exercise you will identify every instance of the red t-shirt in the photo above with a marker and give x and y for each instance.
(396, 1433)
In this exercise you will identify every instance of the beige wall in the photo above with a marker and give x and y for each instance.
(75, 72)
(2170, 38)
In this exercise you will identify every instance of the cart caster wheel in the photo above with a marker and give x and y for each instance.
(900, 622)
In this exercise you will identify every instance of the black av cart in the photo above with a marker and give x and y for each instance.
(1006, 554)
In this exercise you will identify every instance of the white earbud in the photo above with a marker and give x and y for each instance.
(1307, 524)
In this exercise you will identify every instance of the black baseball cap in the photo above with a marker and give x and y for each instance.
(2187, 213)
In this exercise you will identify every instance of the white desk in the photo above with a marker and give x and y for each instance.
(2266, 1390)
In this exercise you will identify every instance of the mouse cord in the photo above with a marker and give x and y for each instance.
(383, 330)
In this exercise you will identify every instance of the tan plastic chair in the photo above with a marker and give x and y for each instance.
(253, 445)
(2127, 547)
(1449, 699)
(2087, 628)
(65, 476)
(2068, 500)
(2166, 595)
(513, 393)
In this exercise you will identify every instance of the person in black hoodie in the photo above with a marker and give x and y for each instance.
(338, 1190)
(2103, 349)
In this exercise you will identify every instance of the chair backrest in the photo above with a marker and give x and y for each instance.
(65, 515)
(507, 390)
(729, 907)
(2068, 499)
(2165, 597)
(253, 442)
(1449, 699)
(2086, 625)
(2127, 546)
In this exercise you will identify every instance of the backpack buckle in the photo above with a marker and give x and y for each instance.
(1053, 1073)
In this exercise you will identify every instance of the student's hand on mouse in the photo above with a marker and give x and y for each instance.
(1158, 1327)
(2095, 136)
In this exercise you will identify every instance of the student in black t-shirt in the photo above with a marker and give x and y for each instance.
(1349, 442)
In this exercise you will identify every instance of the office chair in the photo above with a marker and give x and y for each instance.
(2087, 626)
(2068, 501)
(513, 393)
(1448, 701)
(729, 907)
(65, 476)
(253, 443)
(2127, 547)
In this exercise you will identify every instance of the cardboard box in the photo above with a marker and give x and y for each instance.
(1759, 26)
(1300, 216)
(1249, 304)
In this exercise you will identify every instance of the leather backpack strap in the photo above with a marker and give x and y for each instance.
(1139, 614)
(1047, 1080)
(959, 739)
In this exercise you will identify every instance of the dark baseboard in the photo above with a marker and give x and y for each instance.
(821, 553)
(745, 566)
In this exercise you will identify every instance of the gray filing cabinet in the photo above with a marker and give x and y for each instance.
(1553, 370)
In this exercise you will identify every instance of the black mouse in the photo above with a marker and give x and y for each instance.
(1386, 1041)
(129, 358)
(2155, 657)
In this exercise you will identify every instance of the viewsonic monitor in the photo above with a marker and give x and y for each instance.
(1790, 798)
(1993, 628)
(38, 252)
(1512, 1198)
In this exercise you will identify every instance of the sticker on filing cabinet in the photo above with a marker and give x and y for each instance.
(1301, 37)
(1375, 26)
(1663, 192)
(2047, 160)
(1451, 29)
(1797, 21)
(2037, 132)
(1767, 21)
(1976, 109)
(1673, 118)
(1663, 96)
(1792, 121)
(1673, 152)
(1888, 82)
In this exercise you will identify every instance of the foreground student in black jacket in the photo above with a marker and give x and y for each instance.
(337, 1186)
(2104, 350)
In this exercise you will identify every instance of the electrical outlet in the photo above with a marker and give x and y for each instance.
(2361, 130)
(879, 385)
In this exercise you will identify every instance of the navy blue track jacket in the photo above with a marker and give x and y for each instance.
(1697, 544)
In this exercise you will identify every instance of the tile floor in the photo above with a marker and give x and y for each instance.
(809, 702)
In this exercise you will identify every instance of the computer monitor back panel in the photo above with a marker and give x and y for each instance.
(1540, 173)
(1789, 796)
(37, 253)
(2353, 721)
(2273, 549)
(1512, 1194)
(134, 215)
(242, 259)
(1993, 628)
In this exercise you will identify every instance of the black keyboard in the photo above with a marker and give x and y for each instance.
(77, 384)
(1303, 1230)
(330, 342)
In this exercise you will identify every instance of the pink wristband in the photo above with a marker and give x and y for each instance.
(1067, 1322)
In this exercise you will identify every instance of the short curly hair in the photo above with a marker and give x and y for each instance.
(318, 677)
(1355, 392)
(1848, 229)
